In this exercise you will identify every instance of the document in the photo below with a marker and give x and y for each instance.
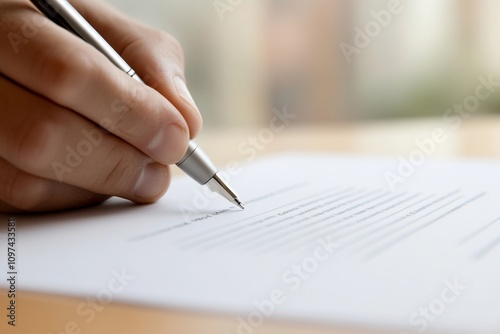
(331, 240)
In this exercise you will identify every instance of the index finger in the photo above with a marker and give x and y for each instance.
(58, 65)
(155, 55)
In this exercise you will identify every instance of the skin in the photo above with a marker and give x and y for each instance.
(54, 88)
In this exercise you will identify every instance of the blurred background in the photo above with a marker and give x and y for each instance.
(245, 58)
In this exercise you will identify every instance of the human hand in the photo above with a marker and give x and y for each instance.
(58, 94)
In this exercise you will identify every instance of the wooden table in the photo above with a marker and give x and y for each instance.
(43, 314)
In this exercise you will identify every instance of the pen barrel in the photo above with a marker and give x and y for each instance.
(196, 164)
(59, 10)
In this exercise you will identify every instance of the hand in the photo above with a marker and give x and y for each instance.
(74, 129)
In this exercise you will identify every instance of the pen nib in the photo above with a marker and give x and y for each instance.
(239, 204)
(217, 185)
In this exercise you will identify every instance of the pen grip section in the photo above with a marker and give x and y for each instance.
(197, 165)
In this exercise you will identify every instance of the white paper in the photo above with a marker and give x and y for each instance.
(323, 239)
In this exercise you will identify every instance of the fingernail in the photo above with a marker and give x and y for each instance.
(151, 182)
(165, 145)
(183, 91)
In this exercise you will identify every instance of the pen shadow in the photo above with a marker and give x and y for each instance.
(108, 208)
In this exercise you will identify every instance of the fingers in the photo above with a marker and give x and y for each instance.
(22, 192)
(52, 158)
(51, 142)
(155, 55)
(70, 72)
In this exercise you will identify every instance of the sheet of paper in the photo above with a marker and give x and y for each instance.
(323, 239)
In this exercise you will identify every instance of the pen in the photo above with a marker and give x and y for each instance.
(195, 162)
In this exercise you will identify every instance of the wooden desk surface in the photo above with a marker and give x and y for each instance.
(44, 314)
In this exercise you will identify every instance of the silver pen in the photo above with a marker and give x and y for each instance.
(195, 162)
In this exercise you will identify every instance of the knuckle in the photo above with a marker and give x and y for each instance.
(64, 73)
(116, 172)
(173, 45)
(138, 113)
(24, 191)
(119, 118)
(179, 53)
(37, 143)
(129, 124)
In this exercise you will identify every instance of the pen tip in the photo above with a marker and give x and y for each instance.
(239, 204)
